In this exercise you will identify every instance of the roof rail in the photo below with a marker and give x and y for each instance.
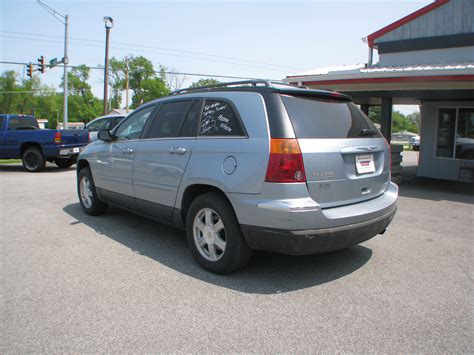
(266, 83)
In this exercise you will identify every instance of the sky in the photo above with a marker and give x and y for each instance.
(255, 39)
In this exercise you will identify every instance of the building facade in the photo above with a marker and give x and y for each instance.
(427, 59)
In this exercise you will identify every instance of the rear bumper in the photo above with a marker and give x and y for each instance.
(63, 150)
(312, 241)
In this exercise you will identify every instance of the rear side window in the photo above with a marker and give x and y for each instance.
(317, 118)
(219, 119)
(24, 122)
(169, 119)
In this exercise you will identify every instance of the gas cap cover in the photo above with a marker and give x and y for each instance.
(229, 165)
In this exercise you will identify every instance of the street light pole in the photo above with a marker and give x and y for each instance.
(109, 23)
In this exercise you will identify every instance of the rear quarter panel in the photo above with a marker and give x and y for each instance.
(206, 165)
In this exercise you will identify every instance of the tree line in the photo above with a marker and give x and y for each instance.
(31, 96)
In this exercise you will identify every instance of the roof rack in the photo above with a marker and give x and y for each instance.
(259, 82)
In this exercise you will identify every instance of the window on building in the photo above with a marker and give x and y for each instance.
(465, 134)
(455, 135)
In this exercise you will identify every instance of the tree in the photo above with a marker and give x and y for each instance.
(173, 81)
(400, 122)
(204, 82)
(117, 80)
(8, 85)
(83, 106)
(144, 82)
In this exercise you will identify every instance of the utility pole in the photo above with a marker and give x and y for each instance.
(64, 19)
(109, 23)
(126, 84)
(65, 61)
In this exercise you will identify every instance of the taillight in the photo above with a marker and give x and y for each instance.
(57, 137)
(286, 162)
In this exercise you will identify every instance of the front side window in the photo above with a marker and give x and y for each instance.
(219, 119)
(132, 127)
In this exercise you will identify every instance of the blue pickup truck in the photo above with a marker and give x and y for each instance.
(21, 137)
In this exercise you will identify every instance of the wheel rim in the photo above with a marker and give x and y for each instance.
(209, 234)
(31, 160)
(85, 190)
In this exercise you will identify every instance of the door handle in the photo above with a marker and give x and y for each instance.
(180, 151)
(127, 151)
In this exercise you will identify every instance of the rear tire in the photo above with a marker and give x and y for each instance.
(64, 163)
(214, 235)
(90, 202)
(33, 160)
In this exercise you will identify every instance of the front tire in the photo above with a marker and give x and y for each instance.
(214, 235)
(90, 202)
(33, 159)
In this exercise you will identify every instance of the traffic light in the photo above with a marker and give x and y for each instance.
(41, 67)
(29, 70)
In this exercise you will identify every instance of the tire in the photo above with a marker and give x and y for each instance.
(64, 163)
(33, 159)
(90, 202)
(224, 250)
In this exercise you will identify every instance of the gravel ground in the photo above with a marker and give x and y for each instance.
(121, 283)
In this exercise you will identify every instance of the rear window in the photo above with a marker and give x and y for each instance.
(318, 118)
(22, 122)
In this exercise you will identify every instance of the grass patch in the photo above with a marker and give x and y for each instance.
(10, 161)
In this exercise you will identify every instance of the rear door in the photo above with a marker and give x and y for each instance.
(162, 156)
(346, 159)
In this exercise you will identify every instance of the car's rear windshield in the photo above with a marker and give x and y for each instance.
(22, 122)
(320, 118)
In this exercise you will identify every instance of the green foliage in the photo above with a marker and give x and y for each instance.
(204, 82)
(143, 81)
(400, 122)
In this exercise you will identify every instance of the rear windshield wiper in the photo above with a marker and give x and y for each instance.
(367, 132)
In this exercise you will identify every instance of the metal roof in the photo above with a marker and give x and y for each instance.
(361, 70)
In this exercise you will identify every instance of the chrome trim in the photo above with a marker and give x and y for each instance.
(290, 205)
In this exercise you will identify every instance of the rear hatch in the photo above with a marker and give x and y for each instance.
(74, 136)
(345, 157)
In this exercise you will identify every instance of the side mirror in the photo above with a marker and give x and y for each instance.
(104, 135)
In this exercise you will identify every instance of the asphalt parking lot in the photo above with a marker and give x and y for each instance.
(121, 283)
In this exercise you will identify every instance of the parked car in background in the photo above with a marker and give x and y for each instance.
(415, 143)
(104, 122)
(246, 166)
(21, 137)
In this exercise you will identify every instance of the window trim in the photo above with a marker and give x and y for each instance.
(237, 114)
(457, 108)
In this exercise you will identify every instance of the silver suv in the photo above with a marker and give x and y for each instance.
(246, 166)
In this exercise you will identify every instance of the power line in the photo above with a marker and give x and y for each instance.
(147, 51)
(160, 48)
(156, 71)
